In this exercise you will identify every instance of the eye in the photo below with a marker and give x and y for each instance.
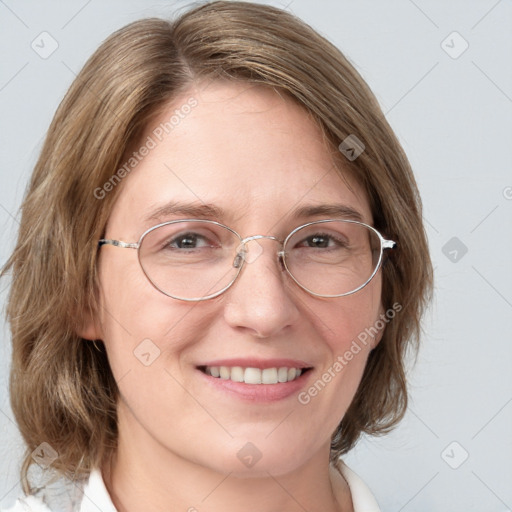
(189, 240)
(319, 241)
(322, 241)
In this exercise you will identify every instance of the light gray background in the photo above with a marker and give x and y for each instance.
(453, 116)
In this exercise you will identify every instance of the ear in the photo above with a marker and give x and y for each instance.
(89, 327)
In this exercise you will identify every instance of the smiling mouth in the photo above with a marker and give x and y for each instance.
(250, 375)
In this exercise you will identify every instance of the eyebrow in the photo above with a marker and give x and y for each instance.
(328, 210)
(191, 210)
(210, 211)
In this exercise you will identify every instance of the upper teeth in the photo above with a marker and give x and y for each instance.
(254, 375)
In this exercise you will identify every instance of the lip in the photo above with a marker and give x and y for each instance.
(257, 393)
(262, 364)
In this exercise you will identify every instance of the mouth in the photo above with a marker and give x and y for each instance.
(252, 375)
(256, 380)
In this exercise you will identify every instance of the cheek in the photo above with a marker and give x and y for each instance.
(352, 318)
(348, 327)
(135, 317)
(146, 334)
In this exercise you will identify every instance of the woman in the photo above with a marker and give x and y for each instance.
(221, 264)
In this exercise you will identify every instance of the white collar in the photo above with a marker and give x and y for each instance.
(362, 498)
(96, 496)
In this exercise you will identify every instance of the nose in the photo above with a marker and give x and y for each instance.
(260, 302)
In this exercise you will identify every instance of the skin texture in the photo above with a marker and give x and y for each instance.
(257, 156)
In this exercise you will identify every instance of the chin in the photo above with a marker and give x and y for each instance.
(256, 457)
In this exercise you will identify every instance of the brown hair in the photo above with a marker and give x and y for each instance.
(62, 389)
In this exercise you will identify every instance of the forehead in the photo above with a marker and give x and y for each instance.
(251, 153)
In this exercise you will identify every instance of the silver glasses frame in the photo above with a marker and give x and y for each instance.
(240, 257)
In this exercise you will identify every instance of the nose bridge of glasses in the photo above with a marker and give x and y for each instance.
(258, 237)
(250, 256)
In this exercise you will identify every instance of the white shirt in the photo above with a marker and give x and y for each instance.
(97, 499)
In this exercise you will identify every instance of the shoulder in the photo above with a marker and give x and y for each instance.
(27, 504)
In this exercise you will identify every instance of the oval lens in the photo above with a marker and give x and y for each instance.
(332, 258)
(189, 260)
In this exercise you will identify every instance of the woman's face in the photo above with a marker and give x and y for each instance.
(257, 159)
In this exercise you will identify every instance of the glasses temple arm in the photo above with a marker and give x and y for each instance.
(118, 243)
(388, 244)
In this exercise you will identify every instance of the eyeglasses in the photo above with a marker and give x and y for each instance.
(195, 260)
